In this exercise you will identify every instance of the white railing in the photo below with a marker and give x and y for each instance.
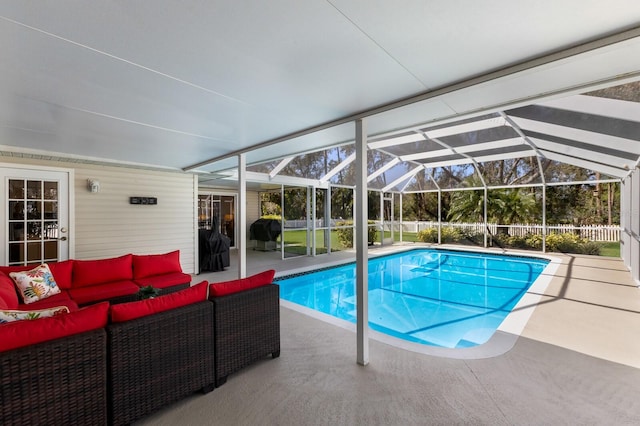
(591, 232)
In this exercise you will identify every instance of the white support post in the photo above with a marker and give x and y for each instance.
(485, 216)
(309, 221)
(361, 244)
(544, 215)
(241, 244)
(381, 216)
(439, 216)
(401, 216)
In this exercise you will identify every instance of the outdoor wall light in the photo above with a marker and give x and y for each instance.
(93, 185)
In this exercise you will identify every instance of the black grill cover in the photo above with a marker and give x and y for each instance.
(214, 249)
(265, 230)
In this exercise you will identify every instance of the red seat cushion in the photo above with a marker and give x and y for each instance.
(97, 293)
(91, 272)
(8, 295)
(234, 286)
(132, 310)
(18, 334)
(156, 264)
(62, 299)
(164, 281)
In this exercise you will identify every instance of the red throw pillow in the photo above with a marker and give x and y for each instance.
(132, 310)
(91, 272)
(156, 264)
(234, 286)
(17, 334)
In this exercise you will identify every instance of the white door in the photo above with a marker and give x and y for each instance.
(34, 217)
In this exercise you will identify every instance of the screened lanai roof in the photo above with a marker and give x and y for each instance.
(188, 85)
(598, 131)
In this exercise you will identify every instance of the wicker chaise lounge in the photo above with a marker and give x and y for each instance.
(159, 359)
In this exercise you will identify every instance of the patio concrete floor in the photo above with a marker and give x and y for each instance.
(577, 361)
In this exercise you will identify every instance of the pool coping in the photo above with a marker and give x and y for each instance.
(502, 340)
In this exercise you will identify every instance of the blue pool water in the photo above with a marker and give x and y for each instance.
(444, 298)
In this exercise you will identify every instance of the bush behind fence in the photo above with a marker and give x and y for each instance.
(601, 233)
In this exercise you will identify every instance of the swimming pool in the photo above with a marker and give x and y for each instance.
(443, 298)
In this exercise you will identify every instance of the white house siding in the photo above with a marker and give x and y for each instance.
(253, 213)
(106, 225)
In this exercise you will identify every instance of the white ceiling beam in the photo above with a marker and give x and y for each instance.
(585, 164)
(587, 155)
(383, 169)
(471, 158)
(277, 169)
(467, 149)
(496, 157)
(350, 159)
(258, 177)
(592, 138)
(402, 178)
(595, 105)
(397, 140)
(473, 126)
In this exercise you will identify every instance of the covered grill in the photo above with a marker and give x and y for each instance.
(265, 232)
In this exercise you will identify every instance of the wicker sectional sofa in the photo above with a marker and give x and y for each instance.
(115, 363)
(84, 282)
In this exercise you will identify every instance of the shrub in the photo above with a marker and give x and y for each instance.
(592, 248)
(565, 243)
(345, 235)
(271, 216)
(471, 237)
(429, 235)
(511, 241)
(449, 235)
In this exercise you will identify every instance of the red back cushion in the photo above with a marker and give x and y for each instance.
(132, 310)
(234, 286)
(8, 295)
(61, 271)
(18, 268)
(90, 272)
(17, 334)
(156, 264)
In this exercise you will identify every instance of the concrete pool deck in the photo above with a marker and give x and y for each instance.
(577, 361)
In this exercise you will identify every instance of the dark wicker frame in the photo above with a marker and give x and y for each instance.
(59, 382)
(247, 328)
(159, 359)
(134, 296)
(174, 288)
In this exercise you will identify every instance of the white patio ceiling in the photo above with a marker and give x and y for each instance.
(187, 85)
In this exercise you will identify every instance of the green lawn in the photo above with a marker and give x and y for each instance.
(610, 249)
(296, 242)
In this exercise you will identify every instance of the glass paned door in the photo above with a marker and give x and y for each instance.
(219, 211)
(36, 229)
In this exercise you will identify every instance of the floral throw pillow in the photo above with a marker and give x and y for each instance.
(36, 284)
(13, 315)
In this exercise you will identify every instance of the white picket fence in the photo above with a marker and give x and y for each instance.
(591, 232)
